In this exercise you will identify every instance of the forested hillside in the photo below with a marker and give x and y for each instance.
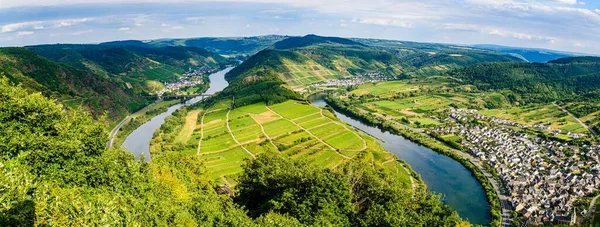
(54, 170)
(529, 54)
(434, 58)
(71, 86)
(303, 61)
(221, 45)
(139, 67)
(538, 82)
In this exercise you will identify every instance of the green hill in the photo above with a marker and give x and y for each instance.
(560, 79)
(141, 68)
(222, 45)
(435, 58)
(55, 170)
(303, 61)
(70, 85)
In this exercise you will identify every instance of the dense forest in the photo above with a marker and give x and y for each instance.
(566, 78)
(55, 171)
(132, 62)
(74, 87)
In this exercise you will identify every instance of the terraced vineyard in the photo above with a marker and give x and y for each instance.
(224, 138)
(306, 74)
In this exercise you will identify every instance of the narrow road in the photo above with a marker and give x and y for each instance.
(232, 136)
(115, 130)
(578, 120)
(263, 131)
(593, 207)
(310, 133)
(201, 131)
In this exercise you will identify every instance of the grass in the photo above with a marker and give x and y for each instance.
(223, 156)
(189, 127)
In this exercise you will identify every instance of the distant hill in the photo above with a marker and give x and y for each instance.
(223, 45)
(560, 79)
(142, 68)
(530, 54)
(308, 40)
(301, 61)
(71, 86)
(437, 58)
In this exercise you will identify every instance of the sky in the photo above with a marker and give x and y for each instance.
(568, 25)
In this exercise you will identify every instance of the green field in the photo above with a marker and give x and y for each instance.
(307, 73)
(421, 103)
(298, 130)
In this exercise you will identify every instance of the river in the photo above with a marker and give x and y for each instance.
(443, 175)
(138, 142)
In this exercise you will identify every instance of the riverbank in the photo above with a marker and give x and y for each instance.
(131, 122)
(491, 190)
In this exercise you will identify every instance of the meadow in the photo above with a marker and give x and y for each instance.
(420, 103)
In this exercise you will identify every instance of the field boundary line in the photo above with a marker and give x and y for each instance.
(310, 133)
(263, 131)
(201, 131)
(350, 130)
(231, 133)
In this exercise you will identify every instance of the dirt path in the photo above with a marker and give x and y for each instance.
(592, 209)
(350, 130)
(577, 119)
(231, 133)
(201, 131)
(310, 133)
(263, 131)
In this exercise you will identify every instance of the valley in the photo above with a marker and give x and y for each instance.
(451, 134)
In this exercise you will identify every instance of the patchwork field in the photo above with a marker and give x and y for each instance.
(417, 103)
(306, 74)
(535, 114)
(225, 137)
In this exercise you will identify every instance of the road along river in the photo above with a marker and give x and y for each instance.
(138, 142)
(443, 175)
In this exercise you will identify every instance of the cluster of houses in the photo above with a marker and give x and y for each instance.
(369, 77)
(544, 178)
(191, 78)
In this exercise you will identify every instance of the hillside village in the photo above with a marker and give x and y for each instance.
(544, 177)
(193, 77)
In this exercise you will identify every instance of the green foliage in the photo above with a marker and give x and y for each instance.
(561, 79)
(76, 87)
(355, 194)
(298, 42)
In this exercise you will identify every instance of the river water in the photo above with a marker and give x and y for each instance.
(138, 142)
(443, 175)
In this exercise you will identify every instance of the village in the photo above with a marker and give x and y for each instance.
(369, 77)
(544, 178)
(191, 78)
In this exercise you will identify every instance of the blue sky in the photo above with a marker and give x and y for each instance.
(571, 25)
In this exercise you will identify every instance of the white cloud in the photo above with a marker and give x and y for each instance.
(570, 2)
(124, 29)
(71, 22)
(177, 27)
(25, 33)
(39, 25)
(383, 22)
